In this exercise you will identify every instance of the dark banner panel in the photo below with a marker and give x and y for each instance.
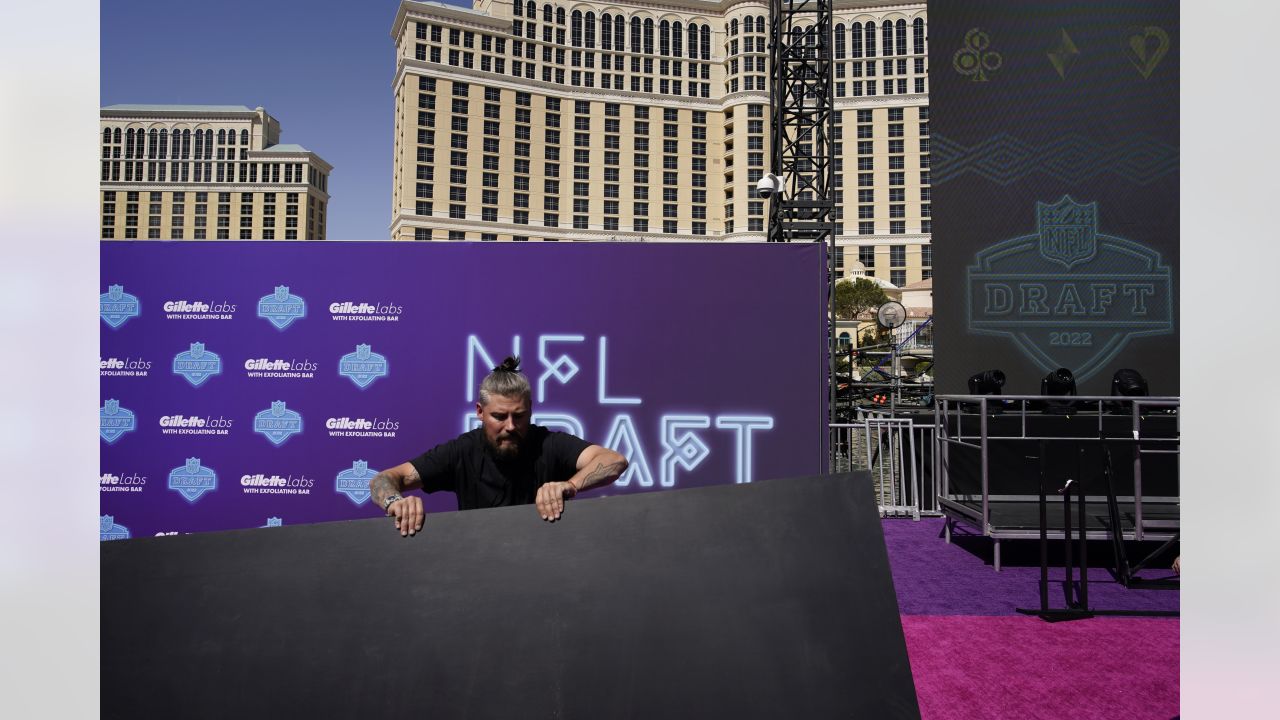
(770, 600)
(1055, 174)
(257, 384)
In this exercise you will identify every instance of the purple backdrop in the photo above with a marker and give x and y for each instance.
(702, 363)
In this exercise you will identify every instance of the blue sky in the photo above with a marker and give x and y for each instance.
(323, 68)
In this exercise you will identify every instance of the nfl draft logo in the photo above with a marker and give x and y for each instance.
(192, 480)
(197, 364)
(114, 421)
(277, 423)
(116, 306)
(354, 483)
(109, 530)
(1069, 296)
(281, 308)
(273, 522)
(363, 366)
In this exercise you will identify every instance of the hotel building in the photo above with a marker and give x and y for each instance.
(648, 121)
(207, 172)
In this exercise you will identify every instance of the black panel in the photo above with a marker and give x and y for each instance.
(766, 600)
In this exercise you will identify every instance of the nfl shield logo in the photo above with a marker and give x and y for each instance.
(192, 480)
(109, 530)
(1068, 231)
(197, 364)
(116, 306)
(363, 366)
(278, 423)
(354, 483)
(280, 308)
(114, 421)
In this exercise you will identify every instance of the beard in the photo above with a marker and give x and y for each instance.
(506, 447)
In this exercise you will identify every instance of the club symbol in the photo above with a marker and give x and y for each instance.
(973, 60)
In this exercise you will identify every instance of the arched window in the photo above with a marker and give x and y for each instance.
(733, 27)
(886, 38)
(547, 14)
(677, 40)
(531, 10)
(606, 32)
(244, 137)
(151, 143)
(199, 143)
(855, 49)
(559, 16)
(839, 42)
(900, 37)
(591, 29)
(619, 32)
(128, 146)
(106, 135)
(575, 29)
(664, 38)
(518, 8)
(648, 36)
(164, 143)
(870, 36)
(760, 26)
(706, 42)
(693, 40)
(845, 338)
(917, 39)
(116, 136)
(186, 144)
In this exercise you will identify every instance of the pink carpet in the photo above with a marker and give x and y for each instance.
(1023, 667)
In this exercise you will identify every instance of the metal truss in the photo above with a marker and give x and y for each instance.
(803, 122)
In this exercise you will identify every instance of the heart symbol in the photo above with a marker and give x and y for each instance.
(1143, 55)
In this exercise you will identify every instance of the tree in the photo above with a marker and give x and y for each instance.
(854, 298)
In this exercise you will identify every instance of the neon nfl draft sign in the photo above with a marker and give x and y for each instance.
(1068, 295)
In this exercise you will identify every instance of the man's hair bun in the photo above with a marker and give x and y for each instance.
(511, 364)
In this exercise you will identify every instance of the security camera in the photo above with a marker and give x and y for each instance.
(769, 186)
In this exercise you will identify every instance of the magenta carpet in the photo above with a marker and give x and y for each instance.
(972, 656)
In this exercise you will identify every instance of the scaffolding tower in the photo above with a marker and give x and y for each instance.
(802, 208)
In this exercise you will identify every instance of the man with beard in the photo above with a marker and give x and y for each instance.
(505, 461)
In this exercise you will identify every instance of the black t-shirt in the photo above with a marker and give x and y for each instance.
(468, 467)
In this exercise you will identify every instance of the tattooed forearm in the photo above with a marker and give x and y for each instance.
(605, 473)
(383, 486)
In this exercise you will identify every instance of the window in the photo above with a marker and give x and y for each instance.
(897, 227)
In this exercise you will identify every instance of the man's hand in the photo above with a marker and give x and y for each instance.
(551, 497)
(408, 514)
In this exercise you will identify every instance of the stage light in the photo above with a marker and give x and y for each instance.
(1126, 383)
(987, 382)
(1129, 383)
(1060, 382)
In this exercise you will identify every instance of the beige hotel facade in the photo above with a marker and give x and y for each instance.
(648, 121)
(206, 172)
